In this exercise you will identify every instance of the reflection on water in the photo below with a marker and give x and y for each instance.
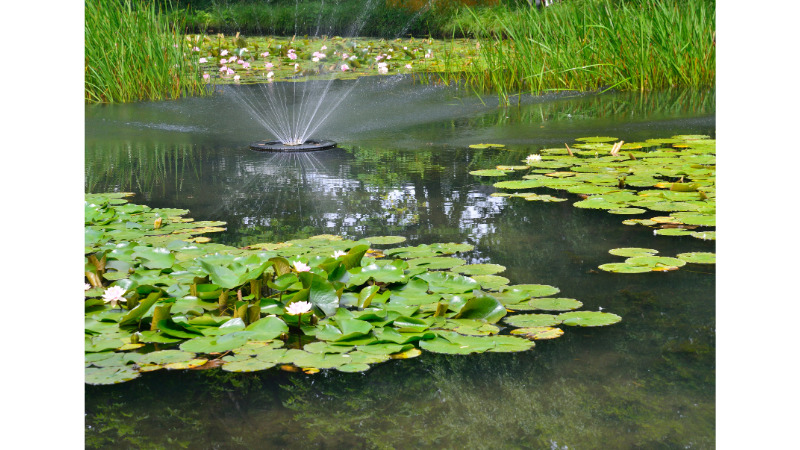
(403, 169)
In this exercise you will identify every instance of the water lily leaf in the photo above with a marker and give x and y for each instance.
(154, 258)
(480, 146)
(492, 282)
(484, 308)
(323, 295)
(435, 262)
(536, 290)
(353, 367)
(632, 251)
(382, 274)
(166, 357)
(672, 232)
(699, 257)
(101, 344)
(197, 362)
(532, 320)
(268, 328)
(655, 261)
(156, 337)
(550, 304)
(109, 375)
(214, 344)
(597, 139)
(518, 184)
(411, 324)
(624, 268)
(441, 282)
(506, 344)
(171, 328)
(318, 360)
(588, 318)
(704, 235)
(627, 211)
(511, 296)
(458, 347)
(706, 220)
(384, 240)
(248, 365)
(479, 269)
(489, 173)
(482, 330)
(353, 257)
(408, 354)
(538, 333)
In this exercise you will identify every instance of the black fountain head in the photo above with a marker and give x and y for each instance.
(310, 145)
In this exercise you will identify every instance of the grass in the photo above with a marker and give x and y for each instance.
(373, 18)
(592, 44)
(133, 53)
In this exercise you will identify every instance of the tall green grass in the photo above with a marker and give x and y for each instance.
(133, 53)
(591, 44)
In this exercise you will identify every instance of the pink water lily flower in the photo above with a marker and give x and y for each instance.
(265, 54)
(292, 56)
(206, 76)
(268, 65)
(245, 65)
(324, 47)
(223, 68)
(301, 267)
(345, 68)
(231, 71)
(202, 60)
(223, 61)
(195, 49)
(239, 61)
(408, 66)
(113, 295)
(223, 53)
(298, 308)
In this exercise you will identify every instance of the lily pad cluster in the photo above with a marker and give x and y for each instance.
(673, 179)
(158, 297)
(237, 59)
(641, 260)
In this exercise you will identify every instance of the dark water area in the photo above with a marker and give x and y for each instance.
(402, 169)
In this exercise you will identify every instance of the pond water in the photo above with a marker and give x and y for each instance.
(402, 169)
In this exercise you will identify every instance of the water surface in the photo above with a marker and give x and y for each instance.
(401, 169)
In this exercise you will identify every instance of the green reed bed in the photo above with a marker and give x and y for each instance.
(584, 45)
(133, 53)
(374, 18)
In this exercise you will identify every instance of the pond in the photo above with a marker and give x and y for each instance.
(402, 168)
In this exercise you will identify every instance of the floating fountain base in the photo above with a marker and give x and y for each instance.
(278, 146)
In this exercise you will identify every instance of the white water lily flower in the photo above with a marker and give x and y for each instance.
(315, 59)
(298, 308)
(338, 253)
(113, 295)
(270, 74)
(533, 158)
(202, 60)
(223, 53)
(301, 267)
(87, 286)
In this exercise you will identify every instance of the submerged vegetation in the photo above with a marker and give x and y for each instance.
(133, 53)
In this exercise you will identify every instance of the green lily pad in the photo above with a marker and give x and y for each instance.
(481, 146)
(588, 318)
(536, 290)
(597, 139)
(441, 282)
(538, 333)
(109, 375)
(624, 268)
(632, 251)
(491, 282)
(518, 184)
(550, 304)
(479, 269)
(704, 235)
(672, 232)
(489, 173)
(698, 257)
(532, 320)
(655, 261)
(353, 367)
(435, 262)
(248, 365)
(215, 344)
(384, 240)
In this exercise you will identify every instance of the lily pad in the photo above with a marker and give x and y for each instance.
(588, 318)
(384, 240)
(479, 269)
(489, 173)
(624, 268)
(248, 365)
(632, 251)
(532, 320)
(538, 333)
(109, 375)
(698, 257)
(597, 139)
(480, 146)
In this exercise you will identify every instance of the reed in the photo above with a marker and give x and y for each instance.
(133, 53)
(592, 44)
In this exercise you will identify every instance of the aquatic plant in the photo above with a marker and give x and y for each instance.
(590, 45)
(132, 53)
(674, 175)
(189, 303)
